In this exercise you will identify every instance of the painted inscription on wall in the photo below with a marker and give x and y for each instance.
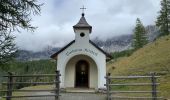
(81, 50)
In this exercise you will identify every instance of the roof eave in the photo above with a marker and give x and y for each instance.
(54, 56)
(83, 27)
(108, 56)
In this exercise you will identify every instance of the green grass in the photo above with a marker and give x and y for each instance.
(154, 57)
(40, 87)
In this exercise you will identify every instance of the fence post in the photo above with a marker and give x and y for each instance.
(9, 86)
(154, 90)
(108, 86)
(57, 85)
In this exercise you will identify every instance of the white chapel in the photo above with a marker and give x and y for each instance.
(82, 63)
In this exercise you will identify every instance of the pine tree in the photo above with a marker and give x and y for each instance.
(14, 15)
(140, 38)
(7, 47)
(163, 20)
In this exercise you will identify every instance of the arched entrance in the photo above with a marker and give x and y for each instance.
(73, 71)
(82, 74)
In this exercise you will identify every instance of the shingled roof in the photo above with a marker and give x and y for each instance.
(82, 24)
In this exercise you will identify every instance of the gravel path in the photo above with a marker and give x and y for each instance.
(82, 96)
(71, 96)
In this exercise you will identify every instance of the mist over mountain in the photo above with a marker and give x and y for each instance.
(25, 55)
(152, 32)
(113, 44)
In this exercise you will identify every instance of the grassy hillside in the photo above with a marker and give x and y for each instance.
(154, 57)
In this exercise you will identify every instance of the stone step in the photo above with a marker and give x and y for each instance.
(80, 90)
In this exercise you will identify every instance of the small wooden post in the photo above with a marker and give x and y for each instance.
(57, 85)
(108, 86)
(154, 86)
(9, 86)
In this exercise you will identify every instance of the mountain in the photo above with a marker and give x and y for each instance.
(24, 55)
(117, 43)
(152, 32)
(154, 57)
(123, 42)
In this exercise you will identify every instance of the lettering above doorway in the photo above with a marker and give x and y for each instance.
(81, 50)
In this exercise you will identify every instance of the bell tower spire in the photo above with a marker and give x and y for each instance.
(82, 29)
(83, 8)
(82, 24)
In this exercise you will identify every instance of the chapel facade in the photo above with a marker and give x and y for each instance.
(82, 63)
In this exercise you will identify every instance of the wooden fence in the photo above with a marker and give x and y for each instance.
(153, 83)
(10, 84)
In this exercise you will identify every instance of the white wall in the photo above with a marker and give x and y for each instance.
(80, 39)
(83, 49)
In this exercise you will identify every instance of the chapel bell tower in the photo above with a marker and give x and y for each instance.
(82, 29)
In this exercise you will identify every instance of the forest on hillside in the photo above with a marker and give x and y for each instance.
(27, 68)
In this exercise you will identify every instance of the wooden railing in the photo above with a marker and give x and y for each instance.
(10, 84)
(153, 83)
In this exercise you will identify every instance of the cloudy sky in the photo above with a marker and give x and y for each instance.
(108, 17)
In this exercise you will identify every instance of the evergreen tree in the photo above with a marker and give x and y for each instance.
(14, 14)
(163, 20)
(7, 47)
(140, 38)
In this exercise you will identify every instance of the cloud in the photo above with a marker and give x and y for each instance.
(108, 18)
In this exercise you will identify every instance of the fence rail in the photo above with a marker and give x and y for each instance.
(35, 75)
(131, 77)
(10, 83)
(133, 91)
(153, 85)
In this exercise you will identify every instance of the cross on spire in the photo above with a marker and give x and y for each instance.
(83, 8)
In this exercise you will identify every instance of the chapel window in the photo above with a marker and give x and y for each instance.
(82, 34)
